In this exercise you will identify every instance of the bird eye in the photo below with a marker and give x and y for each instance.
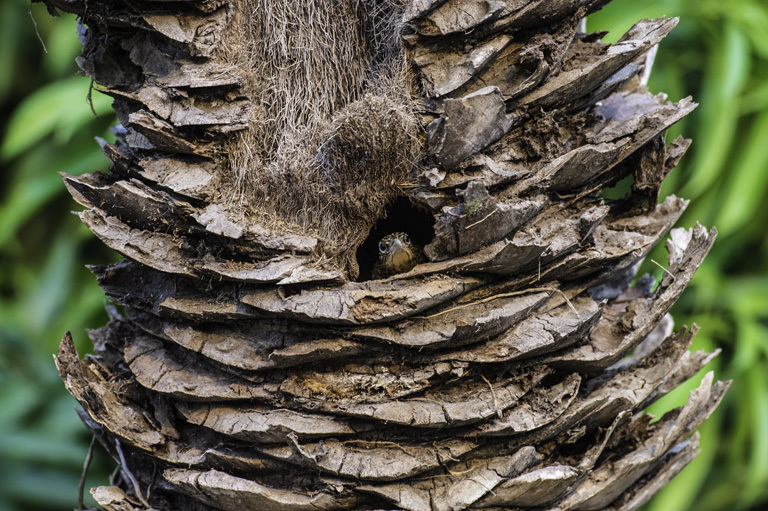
(406, 239)
(382, 247)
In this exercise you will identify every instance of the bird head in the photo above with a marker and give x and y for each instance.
(394, 243)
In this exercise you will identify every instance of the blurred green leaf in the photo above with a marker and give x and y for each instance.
(30, 446)
(754, 18)
(54, 489)
(62, 47)
(723, 84)
(26, 197)
(749, 296)
(48, 111)
(8, 41)
(755, 99)
(747, 350)
(747, 179)
(757, 474)
(17, 399)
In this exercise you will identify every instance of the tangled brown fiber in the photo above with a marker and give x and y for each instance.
(332, 138)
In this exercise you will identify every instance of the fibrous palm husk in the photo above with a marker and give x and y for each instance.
(261, 145)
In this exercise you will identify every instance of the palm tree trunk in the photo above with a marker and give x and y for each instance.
(264, 150)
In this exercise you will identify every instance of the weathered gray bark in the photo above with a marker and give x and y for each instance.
(248, 368)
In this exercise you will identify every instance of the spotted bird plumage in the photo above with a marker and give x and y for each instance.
(397, 254)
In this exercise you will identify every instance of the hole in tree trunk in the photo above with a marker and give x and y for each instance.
(401, 216)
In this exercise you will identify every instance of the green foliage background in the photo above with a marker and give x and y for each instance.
(718, 54)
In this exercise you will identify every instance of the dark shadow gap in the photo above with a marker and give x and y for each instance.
(400, 216)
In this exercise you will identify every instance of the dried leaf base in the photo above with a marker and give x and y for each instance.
(249, 369)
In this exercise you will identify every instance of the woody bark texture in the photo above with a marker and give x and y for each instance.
(264, 147)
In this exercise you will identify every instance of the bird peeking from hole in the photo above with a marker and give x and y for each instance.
(397, 254)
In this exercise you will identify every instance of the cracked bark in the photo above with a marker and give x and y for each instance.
(249, 368)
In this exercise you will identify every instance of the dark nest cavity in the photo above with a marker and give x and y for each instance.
(332, 138)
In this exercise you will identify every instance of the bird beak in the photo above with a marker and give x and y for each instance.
(396, 246)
